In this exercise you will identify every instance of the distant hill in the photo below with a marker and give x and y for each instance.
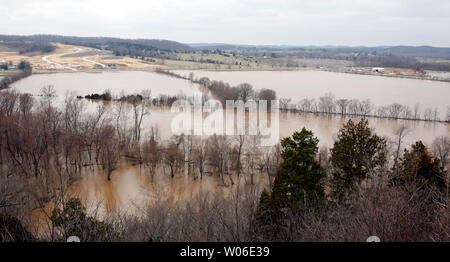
(221, 46)
(151, 44)
(419, 51)
(413, 51)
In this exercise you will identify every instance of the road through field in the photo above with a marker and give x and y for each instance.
(59, 66)
(92, 61)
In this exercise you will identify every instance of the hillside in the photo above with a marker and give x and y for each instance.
(412, 51)
(149, 44)
(420, 51)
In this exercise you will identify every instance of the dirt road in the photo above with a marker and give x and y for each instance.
(59, 66)
(92, 61)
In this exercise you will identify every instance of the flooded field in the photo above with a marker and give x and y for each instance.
(132, 184)
(382, 91)
(130, 82)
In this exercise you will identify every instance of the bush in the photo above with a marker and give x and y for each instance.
(73, 221)
(12, 230)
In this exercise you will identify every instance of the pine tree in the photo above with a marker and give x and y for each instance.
(298, 186)
(355, 154)
(421, 168)
(299, 181)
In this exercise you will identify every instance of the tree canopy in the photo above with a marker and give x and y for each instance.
(356, 153)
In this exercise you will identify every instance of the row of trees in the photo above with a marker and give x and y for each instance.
(224, 91)
(245, 92)
(30, 46)
(326, 104)
(329, 104)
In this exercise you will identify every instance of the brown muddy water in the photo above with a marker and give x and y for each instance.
(130, 82)
(382, 91)
(132, 185)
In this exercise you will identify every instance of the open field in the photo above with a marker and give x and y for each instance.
(74, 58)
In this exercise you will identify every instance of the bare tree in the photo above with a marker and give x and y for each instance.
(199, 155)
(342, 104)
(448, 113)
(110, 149)
(140, 106)
(245, 91)
(441, 148)
(173, 157)
(270, 162)
(284, 103)
(436, 114)
(428, 114)
(26, 103)
(252, 156)
(238, 153)
(395, 110)
(400, 134)
(307, 105)
(417, 111)
(152, 152)
(218, 155)
(326, 103)
(353, 106)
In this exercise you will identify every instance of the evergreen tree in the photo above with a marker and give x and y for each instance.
(355, 154)
(297, 186)
(73, 221)
(300, 178)
(421, 168)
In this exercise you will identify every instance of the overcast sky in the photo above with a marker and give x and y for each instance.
(288, 22)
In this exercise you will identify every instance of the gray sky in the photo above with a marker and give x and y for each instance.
(290, 22)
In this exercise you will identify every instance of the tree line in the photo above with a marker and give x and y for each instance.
(328, 104)
(24, 47)
(26, 70)
(224, 91)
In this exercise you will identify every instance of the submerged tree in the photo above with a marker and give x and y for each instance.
(172, 157)
(110, 150)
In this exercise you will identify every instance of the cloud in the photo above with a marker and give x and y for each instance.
(319, 22)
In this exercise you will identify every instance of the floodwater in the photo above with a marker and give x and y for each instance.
(130, 82)
(132, 184)
(382, 91)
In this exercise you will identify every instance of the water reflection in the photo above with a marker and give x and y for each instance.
(382, 91)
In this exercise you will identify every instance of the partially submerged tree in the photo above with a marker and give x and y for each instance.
(173, 158)
(110, 153)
